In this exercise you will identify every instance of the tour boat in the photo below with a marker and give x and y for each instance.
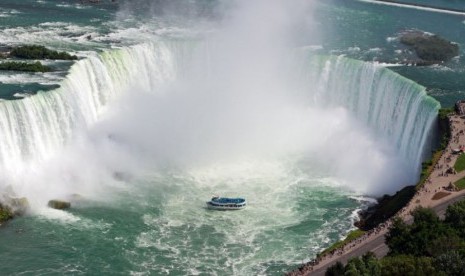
(226, 203)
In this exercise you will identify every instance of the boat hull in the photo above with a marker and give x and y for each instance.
(225, 207)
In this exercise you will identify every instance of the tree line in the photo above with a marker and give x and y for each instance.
(428, 246)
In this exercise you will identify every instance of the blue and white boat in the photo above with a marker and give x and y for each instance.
(226, 203)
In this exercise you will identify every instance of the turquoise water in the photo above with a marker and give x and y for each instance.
(145, 162)
(368, 32)
(160, 226)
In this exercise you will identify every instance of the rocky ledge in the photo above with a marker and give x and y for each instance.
(11, 207)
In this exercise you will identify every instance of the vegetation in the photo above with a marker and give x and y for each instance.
(353, 235)
(460, 184)
(5, 213)
(460, 163)
(443, 112)
(428, 166)
(39, 52)
(24, 66)
(428, 246)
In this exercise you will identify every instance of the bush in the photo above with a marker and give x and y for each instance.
(353, 235)
(428, 246)
(39, 52)
(24, 66)
(443, 112)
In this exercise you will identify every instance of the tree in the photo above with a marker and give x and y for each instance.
(335, 270)
(450, 263)
(398, 238)
(407, 265)
(455, 217)
(417, 239)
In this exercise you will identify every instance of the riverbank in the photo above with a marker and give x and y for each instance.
(435, 191)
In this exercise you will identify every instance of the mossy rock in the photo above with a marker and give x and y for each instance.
(59, 204)
(18, 205)
(5, 213)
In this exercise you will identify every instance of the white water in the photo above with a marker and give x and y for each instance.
(37, 129)
(396, 109)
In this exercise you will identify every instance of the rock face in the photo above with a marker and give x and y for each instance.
(5, 213)
(59, 204)
(18, 205)
(12, 207)
(430, 48)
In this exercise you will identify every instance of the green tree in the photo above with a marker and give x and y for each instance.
(372, 264)
(417, 239)
(351, 270)
(451, 263)
(335, 270)
(398, 238)
(406, 265)
(455, 217)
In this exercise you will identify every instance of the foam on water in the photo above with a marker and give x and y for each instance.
(54, 34)
(42, 78)
(249, 241)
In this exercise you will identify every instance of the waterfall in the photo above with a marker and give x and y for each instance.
(395, 108)
(33, 129)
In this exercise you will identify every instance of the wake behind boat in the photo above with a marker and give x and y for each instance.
(226, 203)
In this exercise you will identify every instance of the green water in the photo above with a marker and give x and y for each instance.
(160, 225)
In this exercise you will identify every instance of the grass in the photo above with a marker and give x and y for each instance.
(460, 163)
(353, 235)
(428, 167)
(460, 184)
(443, 112)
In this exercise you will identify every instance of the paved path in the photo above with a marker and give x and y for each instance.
(438, 182)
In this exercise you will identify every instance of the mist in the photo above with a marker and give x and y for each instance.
(235, 101)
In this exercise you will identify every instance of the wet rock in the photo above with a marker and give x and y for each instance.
(59, 204)
(18, 205)
(5, 213)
